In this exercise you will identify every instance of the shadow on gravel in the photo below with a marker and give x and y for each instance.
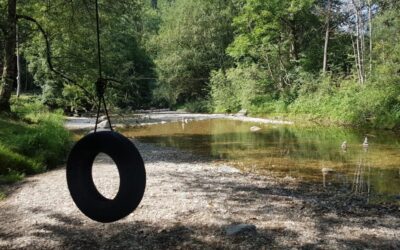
(70, 233)
(329, 209)
(276, 205)
(141, 235)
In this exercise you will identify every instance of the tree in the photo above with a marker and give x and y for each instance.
(327, 31)
(278, 35)
(9, 71)
(69, 28)
(191, 43)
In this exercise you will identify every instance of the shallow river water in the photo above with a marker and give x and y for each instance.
(307, 154)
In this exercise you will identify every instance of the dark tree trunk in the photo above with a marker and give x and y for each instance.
(327, 29)
(154, 4)
(9, 70)
(294, 50)
(18, 67)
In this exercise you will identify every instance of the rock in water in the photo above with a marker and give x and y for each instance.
(365, 143)
(327, 170)
(240, 229)
(102, 118)
(255, 129)
(103, 124)
(344, 145)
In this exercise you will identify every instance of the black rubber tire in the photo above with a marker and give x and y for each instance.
(131, 171)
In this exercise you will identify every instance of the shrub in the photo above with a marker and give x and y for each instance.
(198, 106)
(239, 88)
(34, 142)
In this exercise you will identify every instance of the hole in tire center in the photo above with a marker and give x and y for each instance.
(105, 176)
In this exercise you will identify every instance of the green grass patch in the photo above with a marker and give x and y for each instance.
(32, 140)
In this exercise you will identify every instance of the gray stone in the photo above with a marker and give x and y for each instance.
(103, 124)
(255, 129)
(239, 229)
(228, 170)
(102, 118)
(327, 170)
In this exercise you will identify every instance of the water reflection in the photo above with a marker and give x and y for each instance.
(372, 171)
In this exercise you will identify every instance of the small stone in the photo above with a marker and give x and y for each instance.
(102, 118)
(228, 170)
(327, 170)
(239, 229)
(255, 129)
(103, 124)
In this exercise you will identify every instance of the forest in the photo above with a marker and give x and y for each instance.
(331, 61)
(243, 124)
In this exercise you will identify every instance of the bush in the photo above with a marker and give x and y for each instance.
(239, 88)
(199, 106)
(33, 142)
(370, 105)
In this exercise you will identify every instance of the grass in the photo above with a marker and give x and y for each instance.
(32, 140)
(2, 196)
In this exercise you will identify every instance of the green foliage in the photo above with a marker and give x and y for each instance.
(242, 87)
(11, 161)
(278, 36)
(71, 29)
(198, 106)
(387, 48)
(219, 55)
(36, 141)
(351, 104)
(191, 42)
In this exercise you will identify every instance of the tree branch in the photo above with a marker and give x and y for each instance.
(48, 56)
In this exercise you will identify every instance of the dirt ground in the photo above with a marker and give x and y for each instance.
(188, 204)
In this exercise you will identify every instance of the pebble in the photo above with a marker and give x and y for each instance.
(255, 129)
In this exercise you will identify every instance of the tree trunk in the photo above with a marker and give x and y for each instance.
(355, 57)
(362, 42)
(370, 36)
(154, 4)
(9, 71)
(359, 45)
(294, 43)
(18, 67)
(327, 27)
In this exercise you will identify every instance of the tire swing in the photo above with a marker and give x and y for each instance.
(123, 152)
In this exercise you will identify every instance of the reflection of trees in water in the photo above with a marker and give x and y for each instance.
(362, 176)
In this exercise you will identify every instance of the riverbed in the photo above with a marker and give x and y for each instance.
(194, 196)
(270, 147)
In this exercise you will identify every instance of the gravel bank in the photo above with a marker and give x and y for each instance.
(161, 117)
(189, 203)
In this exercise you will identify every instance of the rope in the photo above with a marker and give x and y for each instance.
(98, 38)
(101, 83)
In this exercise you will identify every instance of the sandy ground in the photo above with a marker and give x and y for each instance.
(188, 204)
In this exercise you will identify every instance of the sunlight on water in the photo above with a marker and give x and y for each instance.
(307, 154)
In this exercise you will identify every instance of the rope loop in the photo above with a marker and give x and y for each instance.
(101, 85)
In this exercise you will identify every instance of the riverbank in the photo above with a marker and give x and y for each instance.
(151, 118)
(32, 140)
(190, 202)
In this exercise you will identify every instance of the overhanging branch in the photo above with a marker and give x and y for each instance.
(48, 56)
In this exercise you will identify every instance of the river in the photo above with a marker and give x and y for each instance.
(306, 154)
